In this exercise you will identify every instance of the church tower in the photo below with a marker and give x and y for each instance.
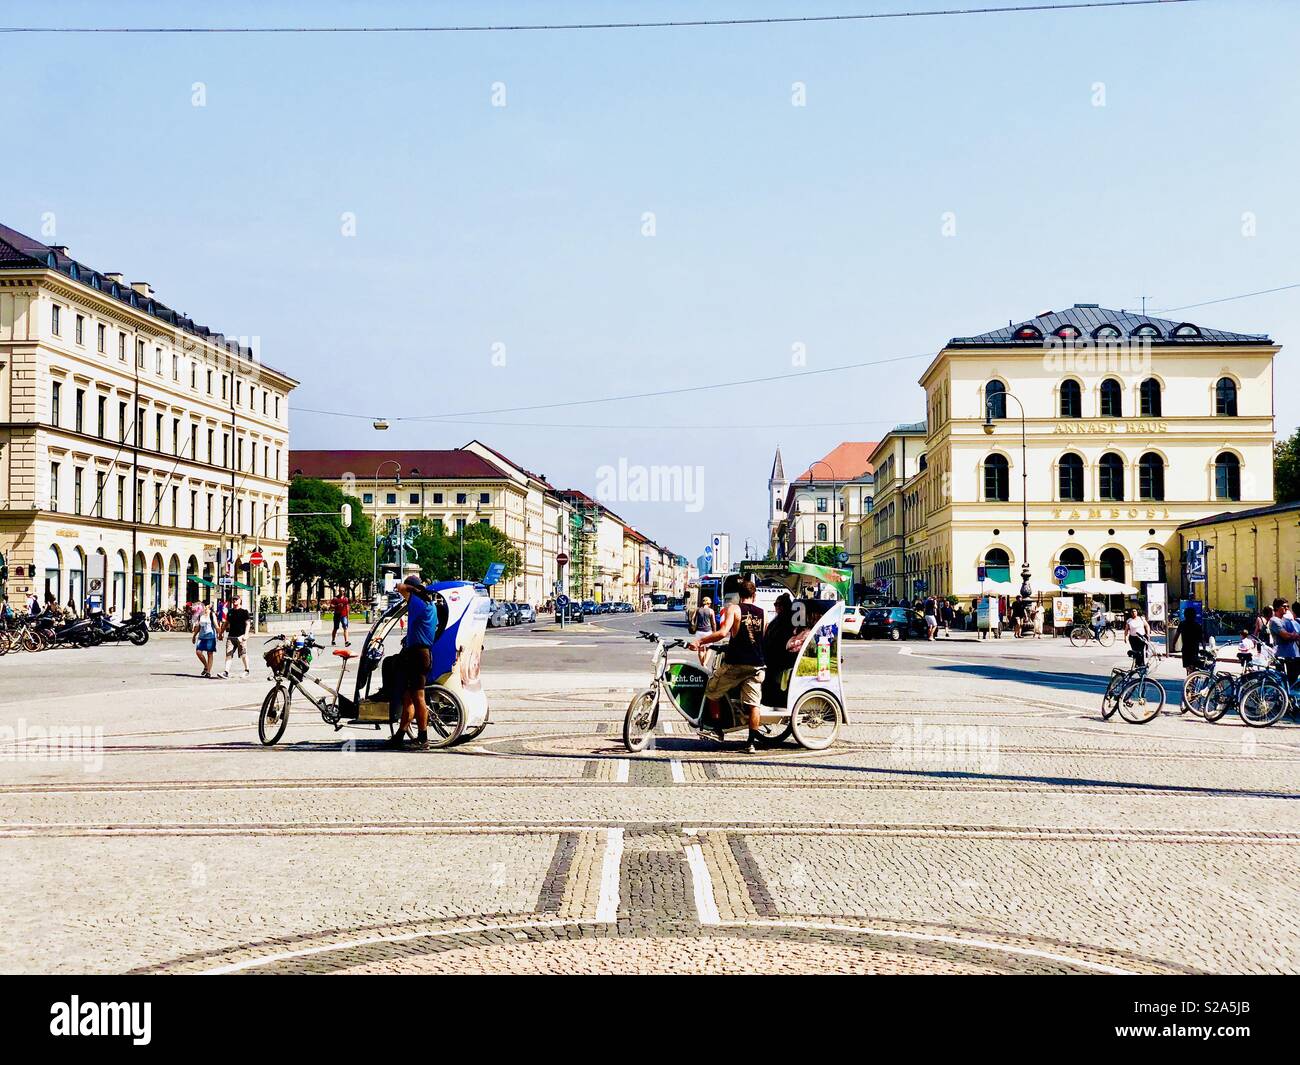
(777, 486)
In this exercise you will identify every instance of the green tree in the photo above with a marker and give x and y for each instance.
(439, 554)
(320, 548)
(821, 555)
(1286, 469)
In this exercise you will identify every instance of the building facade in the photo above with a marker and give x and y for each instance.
(1107, 430)
(136, 446)
(810, 513)
(1252, 556)
(884, 529)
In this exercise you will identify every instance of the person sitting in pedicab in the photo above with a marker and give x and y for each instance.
(741, 625)
(778, 658)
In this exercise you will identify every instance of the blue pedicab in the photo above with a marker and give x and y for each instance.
(812, 695)
(458, 708)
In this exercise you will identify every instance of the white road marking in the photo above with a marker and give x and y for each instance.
(675, 768)
(621, 768)
(705, 904)
(607, 907)
(668, 728)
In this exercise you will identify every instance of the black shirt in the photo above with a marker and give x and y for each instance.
(237, 622)
(745, 648)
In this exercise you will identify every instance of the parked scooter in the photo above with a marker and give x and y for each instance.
(136, 629)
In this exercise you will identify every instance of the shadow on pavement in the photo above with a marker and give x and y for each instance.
(1073, 682)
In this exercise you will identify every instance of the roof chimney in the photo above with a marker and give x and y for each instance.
(116, 278)
(144, 288)
(62, 250)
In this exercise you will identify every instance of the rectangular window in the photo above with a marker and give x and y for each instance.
(461, 498)
(121, 498)
(101, 336)
(209, 511)
(157, 361)
(225, 450)
(139, 500)
(56, 397)
(98, 509)
(176, 510)
(157, 432)
(194, 510)
(54, 319)
(239, 391)
(194, 440)
(392, 498)
(415, 497)
(121, 347)
(76, 489)
(194, 375)
(460, 526)
(54, 486)
(225, 385)
(239, 453)
(821, 504)
(157, 504)
(101, 406)
(209, 382)
(121, 423)
(277, 406)
(485, 521)
(81, 329)
(79, 410)
(368, 498)
(176, 367)
(437, 497)
(176, 436)
(209, 447)
(484, 497)
(139, 354)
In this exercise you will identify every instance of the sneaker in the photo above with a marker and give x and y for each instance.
(225, 674)
(397, 740)
(248, 672)
(206, 674)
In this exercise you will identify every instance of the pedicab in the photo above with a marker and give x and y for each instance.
(811, 702)
(458, 707)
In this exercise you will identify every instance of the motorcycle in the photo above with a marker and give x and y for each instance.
(135, 630)
(78, 632)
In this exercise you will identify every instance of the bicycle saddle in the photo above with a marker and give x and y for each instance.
(341, 653)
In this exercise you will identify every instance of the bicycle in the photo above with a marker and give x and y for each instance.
(1082, 635)
(1133, 692)
(1269, 697)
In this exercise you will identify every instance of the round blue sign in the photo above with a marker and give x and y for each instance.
(1060, 573)
(562, 600)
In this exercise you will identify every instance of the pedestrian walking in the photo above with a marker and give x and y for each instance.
(931, 622)
(1193, 636)
(705, 619)
(1138, 635)
(234, 629)
(205, 639)
(342, 607)
(1285, 631)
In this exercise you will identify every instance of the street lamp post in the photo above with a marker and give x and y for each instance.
(374, 571)
(1025, 589)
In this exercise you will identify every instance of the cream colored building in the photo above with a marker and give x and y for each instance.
(134, 443)
(808, 512)
(1133, 426)
(449, 490)
(884, 529)
(1252, 556)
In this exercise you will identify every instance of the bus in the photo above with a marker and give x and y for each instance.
(658, 601)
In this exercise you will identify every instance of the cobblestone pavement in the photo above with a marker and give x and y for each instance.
(973, 817)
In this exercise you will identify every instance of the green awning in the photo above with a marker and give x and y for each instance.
(200, 580)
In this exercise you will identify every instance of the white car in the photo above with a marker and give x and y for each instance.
(852, 621)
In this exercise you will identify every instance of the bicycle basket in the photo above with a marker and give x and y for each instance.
(274, 659)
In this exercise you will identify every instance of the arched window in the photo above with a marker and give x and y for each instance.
(1106, 332)
(1148, 331)
(998, 564)
(1070, 478)
(1112, 402)
(1149, 398)
(1227, 476)
(1072, 560)
(1151, 477)
(1225, 397)
(1111, 566)
(995, 399)
(821, 531)
(997, 479)
(1071, 400)
(53, 570)
(1111, 486)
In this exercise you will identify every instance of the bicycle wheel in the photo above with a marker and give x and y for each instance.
(274, 717)
(1196, 691)
(1265, 703)
(1221, 697)
(639, 721)
(1106, 636)
(1141, 701)
(1110, 701)
(446, 715)
(1079, 636)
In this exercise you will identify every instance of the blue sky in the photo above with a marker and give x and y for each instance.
(775, 225)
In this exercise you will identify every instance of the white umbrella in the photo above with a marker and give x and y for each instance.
(1097, 586)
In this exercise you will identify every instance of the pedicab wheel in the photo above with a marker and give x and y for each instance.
(32, 640)
(446, 715)
(274, 717)
(475, 732)
(639, 721)
(774, 735)
(815, 720)
(1141, 701)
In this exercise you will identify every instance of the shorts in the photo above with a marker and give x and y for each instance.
(340, 621)
(238, 646)
(206, 643)
(416, 664)
(728, 675)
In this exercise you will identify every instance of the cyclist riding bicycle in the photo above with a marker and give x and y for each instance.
(1098, 618)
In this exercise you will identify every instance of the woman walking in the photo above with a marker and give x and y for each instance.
(205, 639)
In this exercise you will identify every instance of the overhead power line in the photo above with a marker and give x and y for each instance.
(1226, 299)
(647, 25)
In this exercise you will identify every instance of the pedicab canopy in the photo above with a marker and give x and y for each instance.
(840, 579)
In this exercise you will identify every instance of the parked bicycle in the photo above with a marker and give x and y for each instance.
(1082, 635)
(1133, 692)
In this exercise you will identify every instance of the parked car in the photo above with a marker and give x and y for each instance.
(572, 612)
(589, 606)
(602, 608)
(625, 608)
(500, 617)
(527, 615)
(513, 610)
(852, 623)
(894, 622)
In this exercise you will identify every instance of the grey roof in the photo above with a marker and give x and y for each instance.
(1254, 512)
(909, 427)
(1088, 318)
(21, 252)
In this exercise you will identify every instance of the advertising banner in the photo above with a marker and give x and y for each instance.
(1063, 611)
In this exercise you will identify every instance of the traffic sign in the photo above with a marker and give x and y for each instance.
(256, 559)
(843, 557)
(561, 559)
(562, 600)
(1060, 573)
(981, 573)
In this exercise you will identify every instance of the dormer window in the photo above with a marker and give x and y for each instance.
(1028, 332)
(1186, 330)
(1106, 332)
(1068, 332)
(1146, 331)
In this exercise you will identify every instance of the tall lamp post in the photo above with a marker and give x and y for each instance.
(374, 572)
(1025, 588)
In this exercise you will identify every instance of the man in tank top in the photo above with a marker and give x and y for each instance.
(741, 624)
